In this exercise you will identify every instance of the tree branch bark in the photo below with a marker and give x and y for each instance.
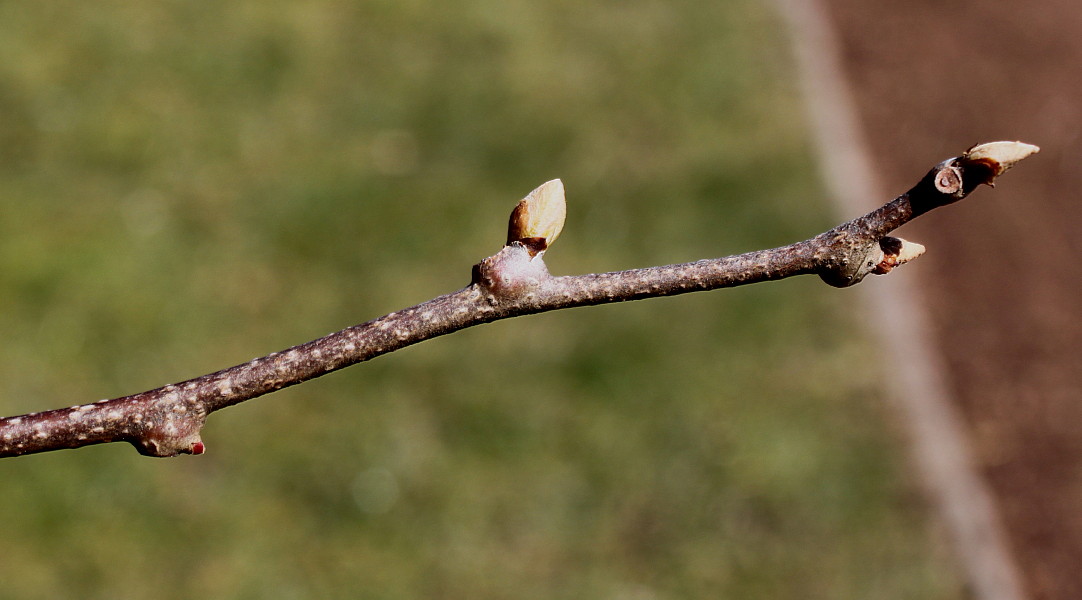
(167, 421)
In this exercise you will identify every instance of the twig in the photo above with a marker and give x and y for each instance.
(515, 281)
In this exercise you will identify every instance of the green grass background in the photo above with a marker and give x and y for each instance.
(187, 185)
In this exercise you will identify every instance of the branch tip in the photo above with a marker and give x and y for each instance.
(997, 157)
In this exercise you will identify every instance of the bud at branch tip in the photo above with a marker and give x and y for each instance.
(998, 156)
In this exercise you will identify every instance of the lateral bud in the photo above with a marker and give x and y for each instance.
(874, 258)
(538, 218)
(894, 252)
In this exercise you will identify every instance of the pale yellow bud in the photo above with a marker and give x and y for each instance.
(539, 217)
(999, 156)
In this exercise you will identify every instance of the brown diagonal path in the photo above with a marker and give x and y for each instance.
(1000, 278)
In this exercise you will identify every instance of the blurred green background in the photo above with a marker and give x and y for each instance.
(187, 185)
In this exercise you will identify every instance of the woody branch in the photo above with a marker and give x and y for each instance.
(515, 281)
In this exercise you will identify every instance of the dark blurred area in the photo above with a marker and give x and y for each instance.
(1004, 284)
